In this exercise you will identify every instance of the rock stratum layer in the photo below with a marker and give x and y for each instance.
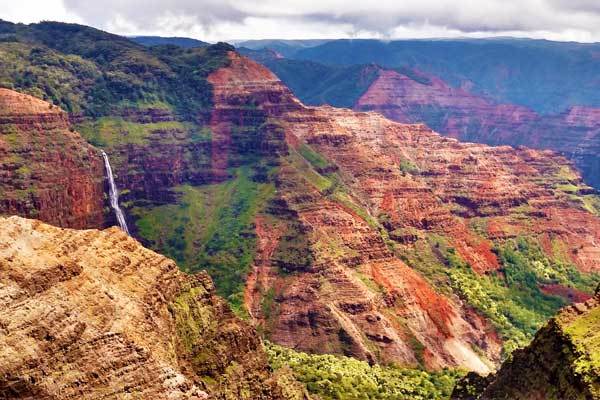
(353, 190)
(47, 170)
(344, 232)
(93, 314)
(560, 363)
(458, 113)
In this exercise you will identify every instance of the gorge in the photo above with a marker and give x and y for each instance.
(327, 232)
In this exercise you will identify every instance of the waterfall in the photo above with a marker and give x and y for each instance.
(114, 195)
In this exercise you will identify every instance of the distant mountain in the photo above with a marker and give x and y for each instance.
(542, 75)
(288, 48)
(316, 83)
(160, 40)
(414, 95)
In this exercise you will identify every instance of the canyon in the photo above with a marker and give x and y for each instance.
(346, 288)
(329, 230)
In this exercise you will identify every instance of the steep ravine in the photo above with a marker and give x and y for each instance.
(560, 363)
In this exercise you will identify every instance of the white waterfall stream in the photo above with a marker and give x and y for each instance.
(114, 195)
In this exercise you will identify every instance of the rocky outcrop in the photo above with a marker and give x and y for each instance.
(92, 314)
(417, 97)
(560, 363)
(324, 277)
(47, 170)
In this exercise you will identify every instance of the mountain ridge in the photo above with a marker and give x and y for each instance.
(414, 96)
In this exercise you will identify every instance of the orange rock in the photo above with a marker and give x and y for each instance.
(89, 314)
(355, 296)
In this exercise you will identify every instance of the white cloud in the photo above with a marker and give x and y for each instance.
(27, 11)
(237, 19)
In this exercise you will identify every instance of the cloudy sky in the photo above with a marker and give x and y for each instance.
(214, 20)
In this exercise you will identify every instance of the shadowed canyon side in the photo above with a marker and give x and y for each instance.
(47, 170)
(560, 363)
(90, 314)
(147, 107)
(455, 112)
(356, 195)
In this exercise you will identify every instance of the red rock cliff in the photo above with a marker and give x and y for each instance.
(456, 112)
(345, 291)
(47, 170)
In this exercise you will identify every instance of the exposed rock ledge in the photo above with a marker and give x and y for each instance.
(92, 314)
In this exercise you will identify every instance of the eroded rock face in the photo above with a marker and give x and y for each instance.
(167, 153)
(342, 290)
(93, 314)
(560, 363)
(47, 170)
(455, 112)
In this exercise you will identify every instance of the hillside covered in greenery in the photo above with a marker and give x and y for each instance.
(344, 378)
(94, 73)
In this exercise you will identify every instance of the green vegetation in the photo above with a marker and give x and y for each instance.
(568, 188)
(332, 377)
(516, 312)
(109, 131)
(584, 332)
(293, 250)
(591, 203)
(513, 300)
(307, 173)
(191, 317)
(84, 70)
(566, 173)
(314, 158)
(408, 167)
(318, 84)
(211, 227)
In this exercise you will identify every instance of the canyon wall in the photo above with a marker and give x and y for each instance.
(47, 170)
(354, 190)
(458, 113)
(90, 314)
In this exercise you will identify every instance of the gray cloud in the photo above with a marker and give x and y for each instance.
(153, 14)
(227, 19)
(590, 6)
